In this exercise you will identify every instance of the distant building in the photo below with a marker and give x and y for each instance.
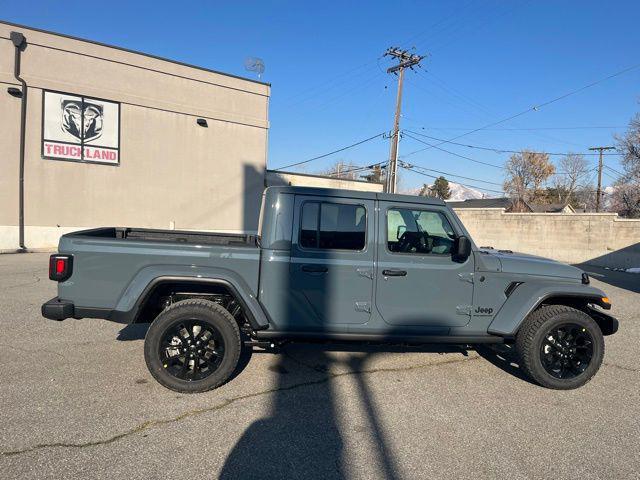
(275, 178)
(552, 208)
(503, 202)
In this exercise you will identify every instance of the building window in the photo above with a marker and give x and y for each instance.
(333, 226)
(419, 232)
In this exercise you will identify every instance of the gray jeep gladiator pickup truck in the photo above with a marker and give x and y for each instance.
(330, 265)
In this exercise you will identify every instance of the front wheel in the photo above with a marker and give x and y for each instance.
(560, 347)
(192, 346)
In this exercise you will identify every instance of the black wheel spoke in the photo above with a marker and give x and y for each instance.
(191, 350)
(566, 351)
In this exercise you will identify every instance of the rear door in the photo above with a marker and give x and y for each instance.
(331, 267)
(418, 282)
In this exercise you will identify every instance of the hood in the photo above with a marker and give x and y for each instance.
(522, 263)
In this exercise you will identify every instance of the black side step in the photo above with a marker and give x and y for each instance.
(377, 337)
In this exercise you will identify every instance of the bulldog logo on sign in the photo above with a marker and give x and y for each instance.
(79, 128)
(83, 120)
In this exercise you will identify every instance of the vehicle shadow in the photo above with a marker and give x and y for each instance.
(502, 356)
(505, 357)
(624, 280)
(299, 437)
(133, 331)
(302, 435)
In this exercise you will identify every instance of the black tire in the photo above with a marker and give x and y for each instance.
(217, 335)
(545, 359)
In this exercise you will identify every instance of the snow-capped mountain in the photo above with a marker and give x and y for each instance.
(458, 192)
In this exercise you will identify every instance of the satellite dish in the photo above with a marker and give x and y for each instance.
(254, 64)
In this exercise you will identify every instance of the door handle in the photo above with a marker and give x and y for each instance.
(314, 269)
(394, 273)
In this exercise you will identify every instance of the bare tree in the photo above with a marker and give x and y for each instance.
(625, 200)
(573, 171)
(584, 198)
(629, 146)
(376, 174)
(342, 169)
(626, 194)
(526, 172)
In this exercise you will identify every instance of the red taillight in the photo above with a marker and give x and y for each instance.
(60, 267)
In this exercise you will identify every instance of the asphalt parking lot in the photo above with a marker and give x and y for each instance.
(77, 401)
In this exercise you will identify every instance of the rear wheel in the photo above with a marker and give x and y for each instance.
(560, 347)
(192, 346)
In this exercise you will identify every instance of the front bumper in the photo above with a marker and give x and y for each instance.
(607, 323)
(56, 309)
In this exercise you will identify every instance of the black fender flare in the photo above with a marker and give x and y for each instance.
(251, 306)
(530, 295)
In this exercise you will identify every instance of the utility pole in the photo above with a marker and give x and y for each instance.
(599, 189)
(405, 60)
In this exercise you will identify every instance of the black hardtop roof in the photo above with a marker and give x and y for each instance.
(335, 192)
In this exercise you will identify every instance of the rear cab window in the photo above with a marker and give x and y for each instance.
(333, 226)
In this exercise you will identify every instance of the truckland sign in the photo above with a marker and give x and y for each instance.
(81, 129)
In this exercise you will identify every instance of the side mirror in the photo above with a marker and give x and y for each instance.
(401, 229)
(461, 248)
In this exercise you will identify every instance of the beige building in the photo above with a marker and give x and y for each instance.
(115, 137)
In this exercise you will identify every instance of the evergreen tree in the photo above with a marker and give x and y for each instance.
(439, 189)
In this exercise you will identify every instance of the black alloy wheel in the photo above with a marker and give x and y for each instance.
(191, 349)
(560, 347)
(567, 351)
(193, 346)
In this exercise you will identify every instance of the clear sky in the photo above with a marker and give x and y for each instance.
(487, 60)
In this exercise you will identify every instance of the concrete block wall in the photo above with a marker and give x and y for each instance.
(274, 178)
(597, 238)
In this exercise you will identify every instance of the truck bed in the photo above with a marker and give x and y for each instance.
(170, 236)
(109, 264)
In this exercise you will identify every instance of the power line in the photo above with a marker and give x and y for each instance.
(614, 170)
(451, 153)
(331, 153)
(485, 20)
(451, 174)
(535, 108)
(465, 157)
(456, 94)
(454, 15)
(463, 184)
(481, 107)
(452, 101)
(328, 84)
(502, 150)
(524, 129)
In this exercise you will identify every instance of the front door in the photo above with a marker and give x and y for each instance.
(331, 267)
(418, 281)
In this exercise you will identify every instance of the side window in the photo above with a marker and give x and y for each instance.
(419, 231)
(309, 225)
(335, 226)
